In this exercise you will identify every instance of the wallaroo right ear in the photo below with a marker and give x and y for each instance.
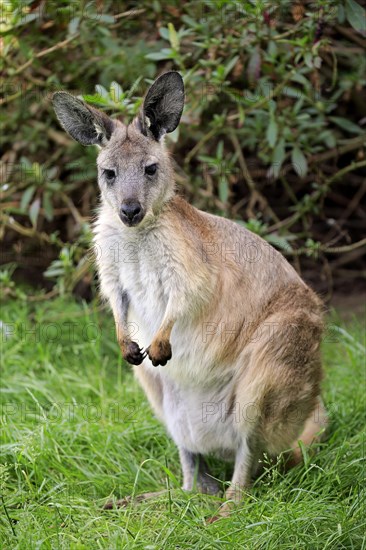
(163, 105)
(84, 123)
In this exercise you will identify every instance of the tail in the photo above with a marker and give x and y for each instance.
(314, 431)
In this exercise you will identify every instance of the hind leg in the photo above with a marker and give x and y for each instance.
(244, 467)
(282, 381)
(195, 476)
(314, 431)
(285, 375)
(196, 473)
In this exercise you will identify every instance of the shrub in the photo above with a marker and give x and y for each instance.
(273, 133)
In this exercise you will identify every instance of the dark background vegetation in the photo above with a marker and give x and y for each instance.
(273, 133)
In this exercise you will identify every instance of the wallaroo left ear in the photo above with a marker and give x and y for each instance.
(163, 105)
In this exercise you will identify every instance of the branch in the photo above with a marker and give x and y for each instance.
(327, 250)
(42, 53)
(255, 194)
(349, 145)
(293, 219)
(198, 145)
(351, 35)
(342, 249)
(11, 223)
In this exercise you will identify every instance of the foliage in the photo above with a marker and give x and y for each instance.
(273, 132)
(76, 431)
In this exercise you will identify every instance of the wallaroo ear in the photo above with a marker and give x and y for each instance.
(84, 123)
(163, 105)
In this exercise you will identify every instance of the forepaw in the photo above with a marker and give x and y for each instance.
(133, 354)
(159, 352)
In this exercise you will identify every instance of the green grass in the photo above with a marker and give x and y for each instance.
(77, 430)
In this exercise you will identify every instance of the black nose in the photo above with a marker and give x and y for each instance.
(131, 212)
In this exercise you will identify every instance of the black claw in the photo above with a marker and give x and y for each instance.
(134, 354)
(133, 360)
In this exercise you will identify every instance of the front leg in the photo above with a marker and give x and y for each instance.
(131, 351)
(160, 350)
(189, 290)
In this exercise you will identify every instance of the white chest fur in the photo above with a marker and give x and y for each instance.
(195, 414)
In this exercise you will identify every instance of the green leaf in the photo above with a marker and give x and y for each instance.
(105, 18)
(47, 206)
(73, 26)
(34, 211)
(230, 65)
(356, 16)
(328, 138)
(280, 242)
(164, 33)
(346, 124)
(102, 91)
(223, 190)
(272, 133)
(54, 271)
(254, 67)
(304, 452)
(95, 99)
(308, 58)
(272, 49)
(116, 92)
(173, 37)
(27, 19)
(341, 14)
(165, 53)
(317, 62)
(278, 158)
(299, 162)
(220, 150)
(27, 197)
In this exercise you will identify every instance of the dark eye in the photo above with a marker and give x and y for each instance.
(110, 175)
(151, 169)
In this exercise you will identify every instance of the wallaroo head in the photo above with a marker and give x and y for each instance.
(134, 170)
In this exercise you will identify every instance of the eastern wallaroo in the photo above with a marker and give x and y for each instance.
(228, 334)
